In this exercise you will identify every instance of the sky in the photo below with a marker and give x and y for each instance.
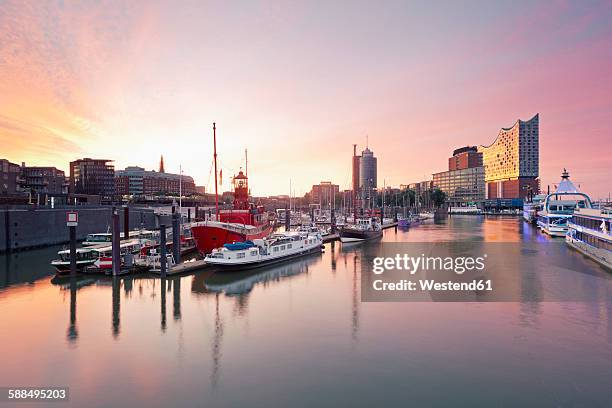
(297, 83)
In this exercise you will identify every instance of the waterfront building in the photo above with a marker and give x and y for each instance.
(136, 181)
(511, 162)
(465, 158)
(464, 182)
(92, 177)
(462, 187)
(324, 194)
(10, 178)
(43, 180)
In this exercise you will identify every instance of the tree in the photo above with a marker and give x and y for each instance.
(437, 196)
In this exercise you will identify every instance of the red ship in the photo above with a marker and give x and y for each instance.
(245, 221)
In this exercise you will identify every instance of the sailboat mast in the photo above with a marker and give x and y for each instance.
(215, 157)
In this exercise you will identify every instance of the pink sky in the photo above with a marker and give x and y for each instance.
(299, 83)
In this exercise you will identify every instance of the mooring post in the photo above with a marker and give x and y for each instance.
(333, 221)
(73, 256)
(116, 241)
(163, 301)
(126, 222)
(176, 238)
(162, 250)
(287, 219)
(189, 215)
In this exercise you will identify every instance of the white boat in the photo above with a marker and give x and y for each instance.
(559, 207)
(365, 229)
(532, 207)
(96, 257)
(259, 252)
(590, 232)
(107, 237)
(469, 209)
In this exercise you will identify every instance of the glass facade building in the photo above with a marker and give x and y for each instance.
(462, 187)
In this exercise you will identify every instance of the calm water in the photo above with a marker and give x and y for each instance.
(298, 335)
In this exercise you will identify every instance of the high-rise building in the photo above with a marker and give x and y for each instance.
(367, 170)
(511, 162)
(92, 177)
(137, 181)
(465, 158)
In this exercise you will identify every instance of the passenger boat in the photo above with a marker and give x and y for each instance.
(85, 257)
(260, 252)
(107, 237)
(244, 222)
(590, 232)
(558, 207)
(532, 207)
(363, 230)
(469, 209)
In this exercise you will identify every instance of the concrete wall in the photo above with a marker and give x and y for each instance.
(43, 227)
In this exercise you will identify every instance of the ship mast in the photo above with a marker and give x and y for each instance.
(215, 157)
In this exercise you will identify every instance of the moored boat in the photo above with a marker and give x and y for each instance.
(532, 207)
(558, 207)
(363, 230)
(245, 221)
(260, 252)
(468, 209)
(590, 232)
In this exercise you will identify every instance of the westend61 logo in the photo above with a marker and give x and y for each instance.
(412, 264)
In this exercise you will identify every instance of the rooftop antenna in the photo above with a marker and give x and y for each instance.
(367, 142)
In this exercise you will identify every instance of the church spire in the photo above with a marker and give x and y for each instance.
(161, 164)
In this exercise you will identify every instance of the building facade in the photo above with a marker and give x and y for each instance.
(465, 158)
(92, 177)
(136, 181)
(10, 178)
(462, 187)
(43, 180)
(511, 162)
(324, 194)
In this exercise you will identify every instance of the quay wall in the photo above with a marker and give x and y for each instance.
(22, 229)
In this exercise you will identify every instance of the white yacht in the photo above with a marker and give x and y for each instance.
(260, 252)
(558, 207)
(590, 233)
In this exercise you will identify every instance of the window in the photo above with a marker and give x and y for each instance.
(240, 255)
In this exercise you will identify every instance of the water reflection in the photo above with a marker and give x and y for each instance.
(272, 336)
(242, 282)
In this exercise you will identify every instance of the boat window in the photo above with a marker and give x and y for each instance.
(275, 249)
(240, 255)
(282, 247)
(254, 252)
(289, 246)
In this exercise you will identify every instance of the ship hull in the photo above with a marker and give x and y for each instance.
(347, 235)
(209, 237)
